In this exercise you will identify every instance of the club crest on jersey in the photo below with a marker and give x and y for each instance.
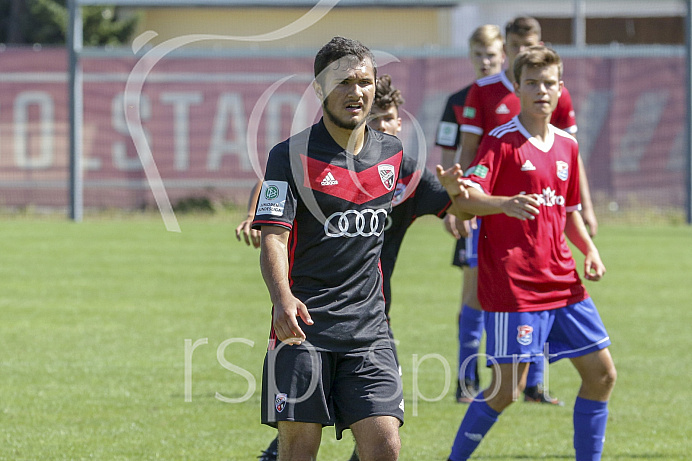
(562, 170)
(280, 402)
(386, 175)
(525, 334)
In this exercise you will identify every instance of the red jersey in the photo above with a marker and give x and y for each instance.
(491, 102)
(527, 265)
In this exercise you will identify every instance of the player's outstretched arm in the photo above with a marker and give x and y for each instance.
(456, 221)
(523, 206)
(474, 202)
(576, 232)
(274, 265)
(244, 229)
(452, 179)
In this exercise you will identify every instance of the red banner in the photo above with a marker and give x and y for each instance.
(210, 121)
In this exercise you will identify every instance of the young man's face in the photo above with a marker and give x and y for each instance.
(487, 60)
(515, 44)
(347, 89)
(538, 90)
(385, 120)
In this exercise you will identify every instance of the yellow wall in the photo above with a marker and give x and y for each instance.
(375, 27)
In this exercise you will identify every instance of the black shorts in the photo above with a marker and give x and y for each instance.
(330, 388)
(459, 258)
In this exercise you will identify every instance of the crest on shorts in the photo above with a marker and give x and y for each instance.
(386, 175)
(280, 402)
(525, 334)
(562, 170)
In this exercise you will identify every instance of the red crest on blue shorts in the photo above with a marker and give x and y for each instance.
(525, 334)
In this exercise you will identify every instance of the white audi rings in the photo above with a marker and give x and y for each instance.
(356, 223)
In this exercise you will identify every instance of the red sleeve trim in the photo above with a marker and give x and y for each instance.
(444, 210)
(258, 223)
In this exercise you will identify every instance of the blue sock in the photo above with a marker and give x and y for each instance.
(477, 422)
(470, 331)
(535, 375)
(590, 418)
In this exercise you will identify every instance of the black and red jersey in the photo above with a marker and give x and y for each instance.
(448, 134)
(336, 205)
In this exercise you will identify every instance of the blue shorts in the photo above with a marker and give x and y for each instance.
(567, 332)
(466, 250)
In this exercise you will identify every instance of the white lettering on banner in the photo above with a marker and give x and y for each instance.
(676, 156)
(181, 102)
(230, 110)
(641, 130)
(119, 148)
(290, 102)
(591, 120)
(23, 132)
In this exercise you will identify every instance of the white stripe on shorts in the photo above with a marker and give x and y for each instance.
(607, 338)
(501, 322)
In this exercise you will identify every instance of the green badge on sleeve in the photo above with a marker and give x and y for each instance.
(478, 170)
(469, 112)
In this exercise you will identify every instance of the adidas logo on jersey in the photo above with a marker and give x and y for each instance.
(329, 180)
(503, 109)
(528, 166)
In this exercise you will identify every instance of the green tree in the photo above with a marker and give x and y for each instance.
(45, 22)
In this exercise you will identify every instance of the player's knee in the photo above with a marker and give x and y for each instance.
(387, 450)
(298, 441)
(609, 377)
(499, 399)
(604, 379)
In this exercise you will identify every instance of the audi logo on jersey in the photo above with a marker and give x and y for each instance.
(356, 223)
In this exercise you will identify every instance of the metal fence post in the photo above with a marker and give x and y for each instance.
(75, 87)
(688, 109)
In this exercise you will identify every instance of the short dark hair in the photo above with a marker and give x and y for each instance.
(386, 94)
(536, 57)
(523, 26)
(337, 48)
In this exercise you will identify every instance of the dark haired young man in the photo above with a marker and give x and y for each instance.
(322, 210)
(418, 193)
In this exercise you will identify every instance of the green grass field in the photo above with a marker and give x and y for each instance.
(95, 318)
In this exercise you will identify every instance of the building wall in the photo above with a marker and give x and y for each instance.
(607, 21)
(401, 28)
(376, 27)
